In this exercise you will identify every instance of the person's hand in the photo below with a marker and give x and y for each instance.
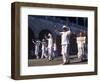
(33, 41)
(45, 37)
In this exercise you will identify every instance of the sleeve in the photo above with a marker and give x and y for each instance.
(57, 32)
(77, 39)
(33, 42)
(69, 32)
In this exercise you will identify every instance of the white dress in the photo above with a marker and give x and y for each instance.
(37, 44)
(50, 48)
(81, 43)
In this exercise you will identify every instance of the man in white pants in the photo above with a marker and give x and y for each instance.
(64, 43)
(50, 46)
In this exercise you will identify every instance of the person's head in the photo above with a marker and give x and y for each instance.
(65, 28)
(49, 35)
(37, 41)
(81, 34)
(43, 40)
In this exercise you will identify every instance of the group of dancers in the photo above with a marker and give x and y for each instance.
(49, 47)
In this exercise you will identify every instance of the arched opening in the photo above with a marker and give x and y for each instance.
(30, 44)
(44, 33)
(57, 39)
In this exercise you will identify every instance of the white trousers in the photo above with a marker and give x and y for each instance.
(44, 54)
(64, 53)
(80, 51)
(50, 53)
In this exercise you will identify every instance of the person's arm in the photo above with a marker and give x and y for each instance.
(45, 37)
(57, 32)
(40, 42)
(33, 41)
(69, 31)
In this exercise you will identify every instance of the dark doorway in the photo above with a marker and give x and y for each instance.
(58, 43)
(43, 33)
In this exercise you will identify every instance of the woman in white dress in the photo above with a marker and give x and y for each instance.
(81, 43)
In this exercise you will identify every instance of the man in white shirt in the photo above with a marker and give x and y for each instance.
(64, 43)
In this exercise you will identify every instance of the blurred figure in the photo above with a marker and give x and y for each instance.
(50, 46)
(81, 44)
(54, 50)
(44, 50)
(37, 45)
(64, 43)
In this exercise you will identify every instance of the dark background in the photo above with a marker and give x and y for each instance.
(38, 26)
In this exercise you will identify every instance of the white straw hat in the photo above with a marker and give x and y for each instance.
(64, 26)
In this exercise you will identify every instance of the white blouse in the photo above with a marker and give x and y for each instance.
(81, 41)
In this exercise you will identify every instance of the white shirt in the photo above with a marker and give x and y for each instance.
(81, 41)
(50, 42)
(65, 37)
(43, 45)
(37, 47)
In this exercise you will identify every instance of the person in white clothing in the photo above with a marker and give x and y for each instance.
(65, 34)
(81, 43)
(50, 46)
(44, 54)
(54, 49)
(37, 45)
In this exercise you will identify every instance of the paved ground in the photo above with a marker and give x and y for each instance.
(55, 61)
